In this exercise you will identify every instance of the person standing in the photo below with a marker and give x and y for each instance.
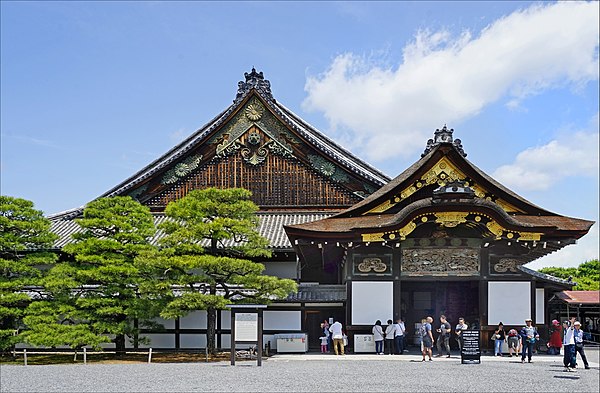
(513, 342)
(390, 336)
(325, 326)
(427, 338)
(323, 344)
(338, 337)
(529, 335)
(378, 337)
(578, 336)
(569, 345)
(404, 338)
(555, 342)
(458, 330)
(499, 338)
(444, 336)
(399, 337)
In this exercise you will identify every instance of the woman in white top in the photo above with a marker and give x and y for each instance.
(390, 334)
(378, 337)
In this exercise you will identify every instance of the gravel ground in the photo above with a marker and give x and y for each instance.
(311, 372)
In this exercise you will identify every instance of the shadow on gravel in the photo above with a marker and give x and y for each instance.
(567, 376)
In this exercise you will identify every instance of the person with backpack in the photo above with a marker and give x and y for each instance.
(513, 342)
(427, 338)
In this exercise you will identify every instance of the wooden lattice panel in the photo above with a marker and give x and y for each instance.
(276, 182)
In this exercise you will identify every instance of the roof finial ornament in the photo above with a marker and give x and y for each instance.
(443, 136)
(254, 80)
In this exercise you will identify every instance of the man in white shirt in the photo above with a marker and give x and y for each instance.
(569, 345)
(399, 338)
(338, 337)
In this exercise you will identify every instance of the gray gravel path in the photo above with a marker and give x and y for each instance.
(303, 373)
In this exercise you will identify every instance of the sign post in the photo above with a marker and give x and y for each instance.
(247, 328)
(471, 350)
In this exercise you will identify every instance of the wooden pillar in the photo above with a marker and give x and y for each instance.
(260, 338)
(232, 356)
(533, 296)
(396, 275)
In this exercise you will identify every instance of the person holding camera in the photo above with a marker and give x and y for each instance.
(569, 345)
(499, 338)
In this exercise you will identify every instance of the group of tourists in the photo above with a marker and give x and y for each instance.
(333, 337)
(444, 331)
(394, 337)
(573, 343)
(569, 335)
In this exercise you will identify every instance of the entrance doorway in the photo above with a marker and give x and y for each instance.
(454, 299)
(313, 317)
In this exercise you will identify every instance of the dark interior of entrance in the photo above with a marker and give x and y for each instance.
(313, 319)
(454, 299)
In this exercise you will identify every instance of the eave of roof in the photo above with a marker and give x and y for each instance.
(580, 297)
(432, 157)
(270, 226)
(337, 224)
(546, 277)
(319, 294)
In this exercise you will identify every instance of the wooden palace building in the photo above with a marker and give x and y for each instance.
(442, 237)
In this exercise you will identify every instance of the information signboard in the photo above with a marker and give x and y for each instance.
(471, 350)
(246, 327)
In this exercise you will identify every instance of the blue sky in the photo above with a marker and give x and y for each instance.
(93, 91)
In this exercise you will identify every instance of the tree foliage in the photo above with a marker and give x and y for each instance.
(25, 239)
(209, 239)
(100, 290)
(586, 275)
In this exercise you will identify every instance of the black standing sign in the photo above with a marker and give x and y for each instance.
(471, 351)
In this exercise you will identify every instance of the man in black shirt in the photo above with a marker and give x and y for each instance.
(444, 336)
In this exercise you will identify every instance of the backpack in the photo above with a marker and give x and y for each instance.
(423, 330)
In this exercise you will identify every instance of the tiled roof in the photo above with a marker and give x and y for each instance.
(347, 224)
(397, 182)
(319, 293)
(579, 297)
(545, 276)
(270, 226)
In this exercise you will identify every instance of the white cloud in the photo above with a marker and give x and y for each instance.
(571, 256)
(444, 79)
(539, 168)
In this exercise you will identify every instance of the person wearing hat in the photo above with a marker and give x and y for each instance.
(569, 345)
(578, 336)
(529, 335)
(555, 342)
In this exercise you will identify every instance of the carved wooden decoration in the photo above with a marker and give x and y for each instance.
(440, 261)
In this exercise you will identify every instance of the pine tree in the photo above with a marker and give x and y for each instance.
(25, 239)
(210, 239)
(100, 291)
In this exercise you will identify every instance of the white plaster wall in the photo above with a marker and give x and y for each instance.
(189, 341)
(372, 300)
(225, 319)
(165, 340)
(167, 323)
(194, 320)
(280, 269)
(509, 302)
(282, 320)
(540, 306)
